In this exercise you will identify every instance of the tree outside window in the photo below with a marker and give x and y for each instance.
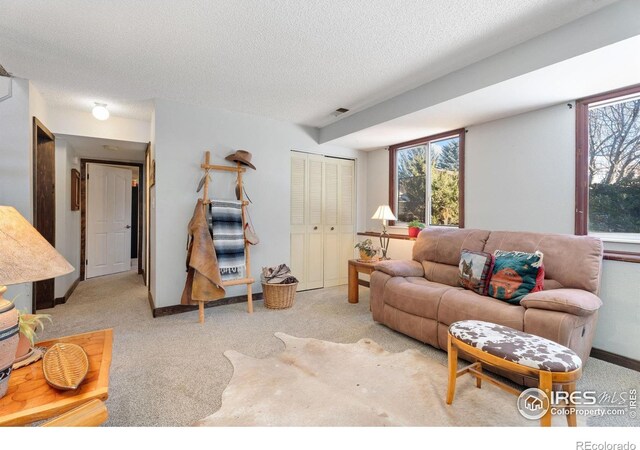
(614, 166)
(430, 196)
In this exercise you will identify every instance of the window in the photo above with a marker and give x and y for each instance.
(608, 165)
(434, 196)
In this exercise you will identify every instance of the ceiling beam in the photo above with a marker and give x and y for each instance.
(606, 26)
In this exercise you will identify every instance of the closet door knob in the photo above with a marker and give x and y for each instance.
(331, 228)
(315, 228)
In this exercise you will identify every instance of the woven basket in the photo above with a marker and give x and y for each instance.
(65, 366)
(279, 296)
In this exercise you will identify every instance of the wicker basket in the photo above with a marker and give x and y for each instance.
(279, 296)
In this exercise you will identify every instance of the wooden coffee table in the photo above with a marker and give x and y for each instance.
(357, 266)
(29, 398)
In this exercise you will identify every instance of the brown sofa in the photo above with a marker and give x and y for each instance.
(421, 297)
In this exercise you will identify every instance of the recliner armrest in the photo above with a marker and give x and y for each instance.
(573, 301)
(400, 268)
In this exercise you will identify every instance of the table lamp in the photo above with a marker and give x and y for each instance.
(384, 213)
(25, 256)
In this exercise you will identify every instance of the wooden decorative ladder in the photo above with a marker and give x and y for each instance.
(239, 170)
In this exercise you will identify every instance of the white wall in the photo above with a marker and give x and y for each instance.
(520, 172)
(182, 134)
(520, 176)
(82, 123)
(67, 221)
(15, 170)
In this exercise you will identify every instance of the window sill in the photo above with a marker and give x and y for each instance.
(404, 237)
(618, 238)
(618, 255)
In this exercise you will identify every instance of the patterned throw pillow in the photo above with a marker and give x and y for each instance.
(475, 270)
(514, 275)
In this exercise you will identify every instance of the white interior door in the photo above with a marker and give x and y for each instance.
(108, 220)
(347, 218)
(299, 217)
(314, 255)
(331, 220)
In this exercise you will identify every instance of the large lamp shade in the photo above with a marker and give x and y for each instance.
(25, 255)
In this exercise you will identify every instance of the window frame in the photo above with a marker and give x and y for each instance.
(582, 167)
(393, 150)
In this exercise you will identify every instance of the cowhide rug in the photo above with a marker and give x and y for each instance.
(320, 383)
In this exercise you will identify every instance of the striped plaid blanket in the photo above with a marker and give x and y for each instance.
(228, 237)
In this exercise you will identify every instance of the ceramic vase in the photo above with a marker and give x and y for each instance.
(9, 337)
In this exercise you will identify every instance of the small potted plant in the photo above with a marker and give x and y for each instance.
(414, 227)
(367, 250)
(30, 326)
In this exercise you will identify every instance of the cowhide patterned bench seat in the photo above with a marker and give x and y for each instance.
(516, 351)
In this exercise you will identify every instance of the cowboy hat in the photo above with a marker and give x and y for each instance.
(242, 157)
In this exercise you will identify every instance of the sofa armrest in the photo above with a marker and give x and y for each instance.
(401, 268)
(573, 301)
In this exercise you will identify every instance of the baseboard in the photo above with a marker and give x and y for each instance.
(178, 309)
(63, 300)
(151, 303)
(616, 359)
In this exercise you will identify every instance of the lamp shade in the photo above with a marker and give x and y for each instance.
(383, 213)
(25, 255)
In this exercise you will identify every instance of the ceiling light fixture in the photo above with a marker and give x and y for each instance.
(100, 111)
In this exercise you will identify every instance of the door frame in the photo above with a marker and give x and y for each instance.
(83, 207)
(38, 128)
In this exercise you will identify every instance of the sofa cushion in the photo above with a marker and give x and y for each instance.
(400, 268)
(441, 273)
(443, 245)
(475, 270)
(415, 295)
(467, 305)
(569, 261)
(573, 301)
(514, 275)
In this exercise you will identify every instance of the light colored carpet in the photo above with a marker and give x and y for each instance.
(320, 383)
(171, 371)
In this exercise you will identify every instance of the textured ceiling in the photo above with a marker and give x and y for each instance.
(290, 60)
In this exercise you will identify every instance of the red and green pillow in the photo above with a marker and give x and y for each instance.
(515, 274)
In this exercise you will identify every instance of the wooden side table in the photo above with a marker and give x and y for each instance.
(29, 398)
(357, 266)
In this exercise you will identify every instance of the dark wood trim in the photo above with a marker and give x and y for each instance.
(62, 300)
(152, 304)
(178, 309)
(582, 153)
(393, 149)
(363, 283)
(392, 181)
(43, 292)
(619, 255)
(461, 172)
(616, 359)
(627, 90)
(83, 206)
(582, 168)
(403, 237)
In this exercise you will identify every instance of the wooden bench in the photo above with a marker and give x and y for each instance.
(505, 348)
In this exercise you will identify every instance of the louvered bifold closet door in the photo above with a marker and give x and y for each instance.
(315, 216)
(346, 217)
(322, 219)
(298, 217)
(331, 222)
